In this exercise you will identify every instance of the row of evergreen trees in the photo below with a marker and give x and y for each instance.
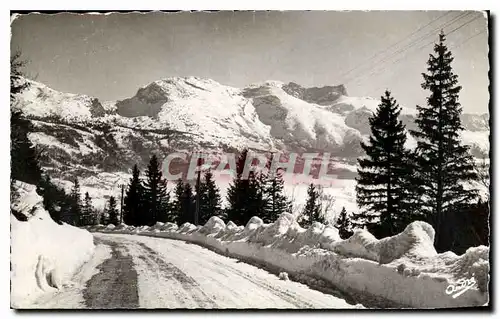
(396, 185)
(148, 201)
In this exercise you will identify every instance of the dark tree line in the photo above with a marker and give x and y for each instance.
(397, 186)
(148, 201)
(260, 194)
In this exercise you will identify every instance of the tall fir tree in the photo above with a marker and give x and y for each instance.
(112, 212)
(55, 200)
(312, 210)
(382, 175)
(187, 205)
(210, 198)
(75, 211)
(343, 224)
(245, 196)
(155, 194)
(17, 80)
(176, 207)
(87, 210)
(443, 162)
(133, 210)
(25, 165)
(275, 200)
(24, 158)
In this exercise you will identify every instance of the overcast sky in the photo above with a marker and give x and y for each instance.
(111, 56)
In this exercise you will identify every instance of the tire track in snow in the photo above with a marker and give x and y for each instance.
(282, 294)
(170, 272)
(115, 286)
(285, 295)
(176, 274)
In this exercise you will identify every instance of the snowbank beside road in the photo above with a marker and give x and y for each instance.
(44, 255)
(399, 271)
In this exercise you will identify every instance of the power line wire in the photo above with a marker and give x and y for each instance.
(412, 44)
(451, 47)
(376, 70)
(394, 44)
(467, 40)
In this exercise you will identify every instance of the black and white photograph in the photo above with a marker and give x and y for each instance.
(226, 160)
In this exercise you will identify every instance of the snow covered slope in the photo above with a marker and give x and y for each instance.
(44, 255)
(95, 140)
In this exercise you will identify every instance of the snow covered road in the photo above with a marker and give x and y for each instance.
(150, 272)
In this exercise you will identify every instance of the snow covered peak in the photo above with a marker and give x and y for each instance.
(38, 100)
(365, 103)
(476, 122)
(326, 95)
(268, 83)
(266, 115)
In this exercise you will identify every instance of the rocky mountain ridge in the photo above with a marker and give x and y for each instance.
(82, 136)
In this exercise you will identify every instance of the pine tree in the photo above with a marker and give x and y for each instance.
(112, 212)
(133, 210)
(177, 202)
(24, 158)
(275, 200)
(87, 210)
(187, 205)
(443, 162)
(245, 196)
(312, 210)
(156, 195)
(75, 211)
(55, 200)
(17, 82)
(210, 198)
(343, 225)
(381, 182)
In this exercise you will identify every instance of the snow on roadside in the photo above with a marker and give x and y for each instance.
(44, 255)
(405, 270)
(72, 295)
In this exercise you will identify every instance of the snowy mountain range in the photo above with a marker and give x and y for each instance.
(99, 141)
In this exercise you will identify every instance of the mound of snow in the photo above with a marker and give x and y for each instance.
(122, 226)
(254, 223)
(158, 225)
(44, 255)
(230, 225)
(474, 263)
(283, 276)
(170, 227)
(275, 230)
(361, 244)
(417, 240)
(213, 226)
(298, 237)
(187, 227)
